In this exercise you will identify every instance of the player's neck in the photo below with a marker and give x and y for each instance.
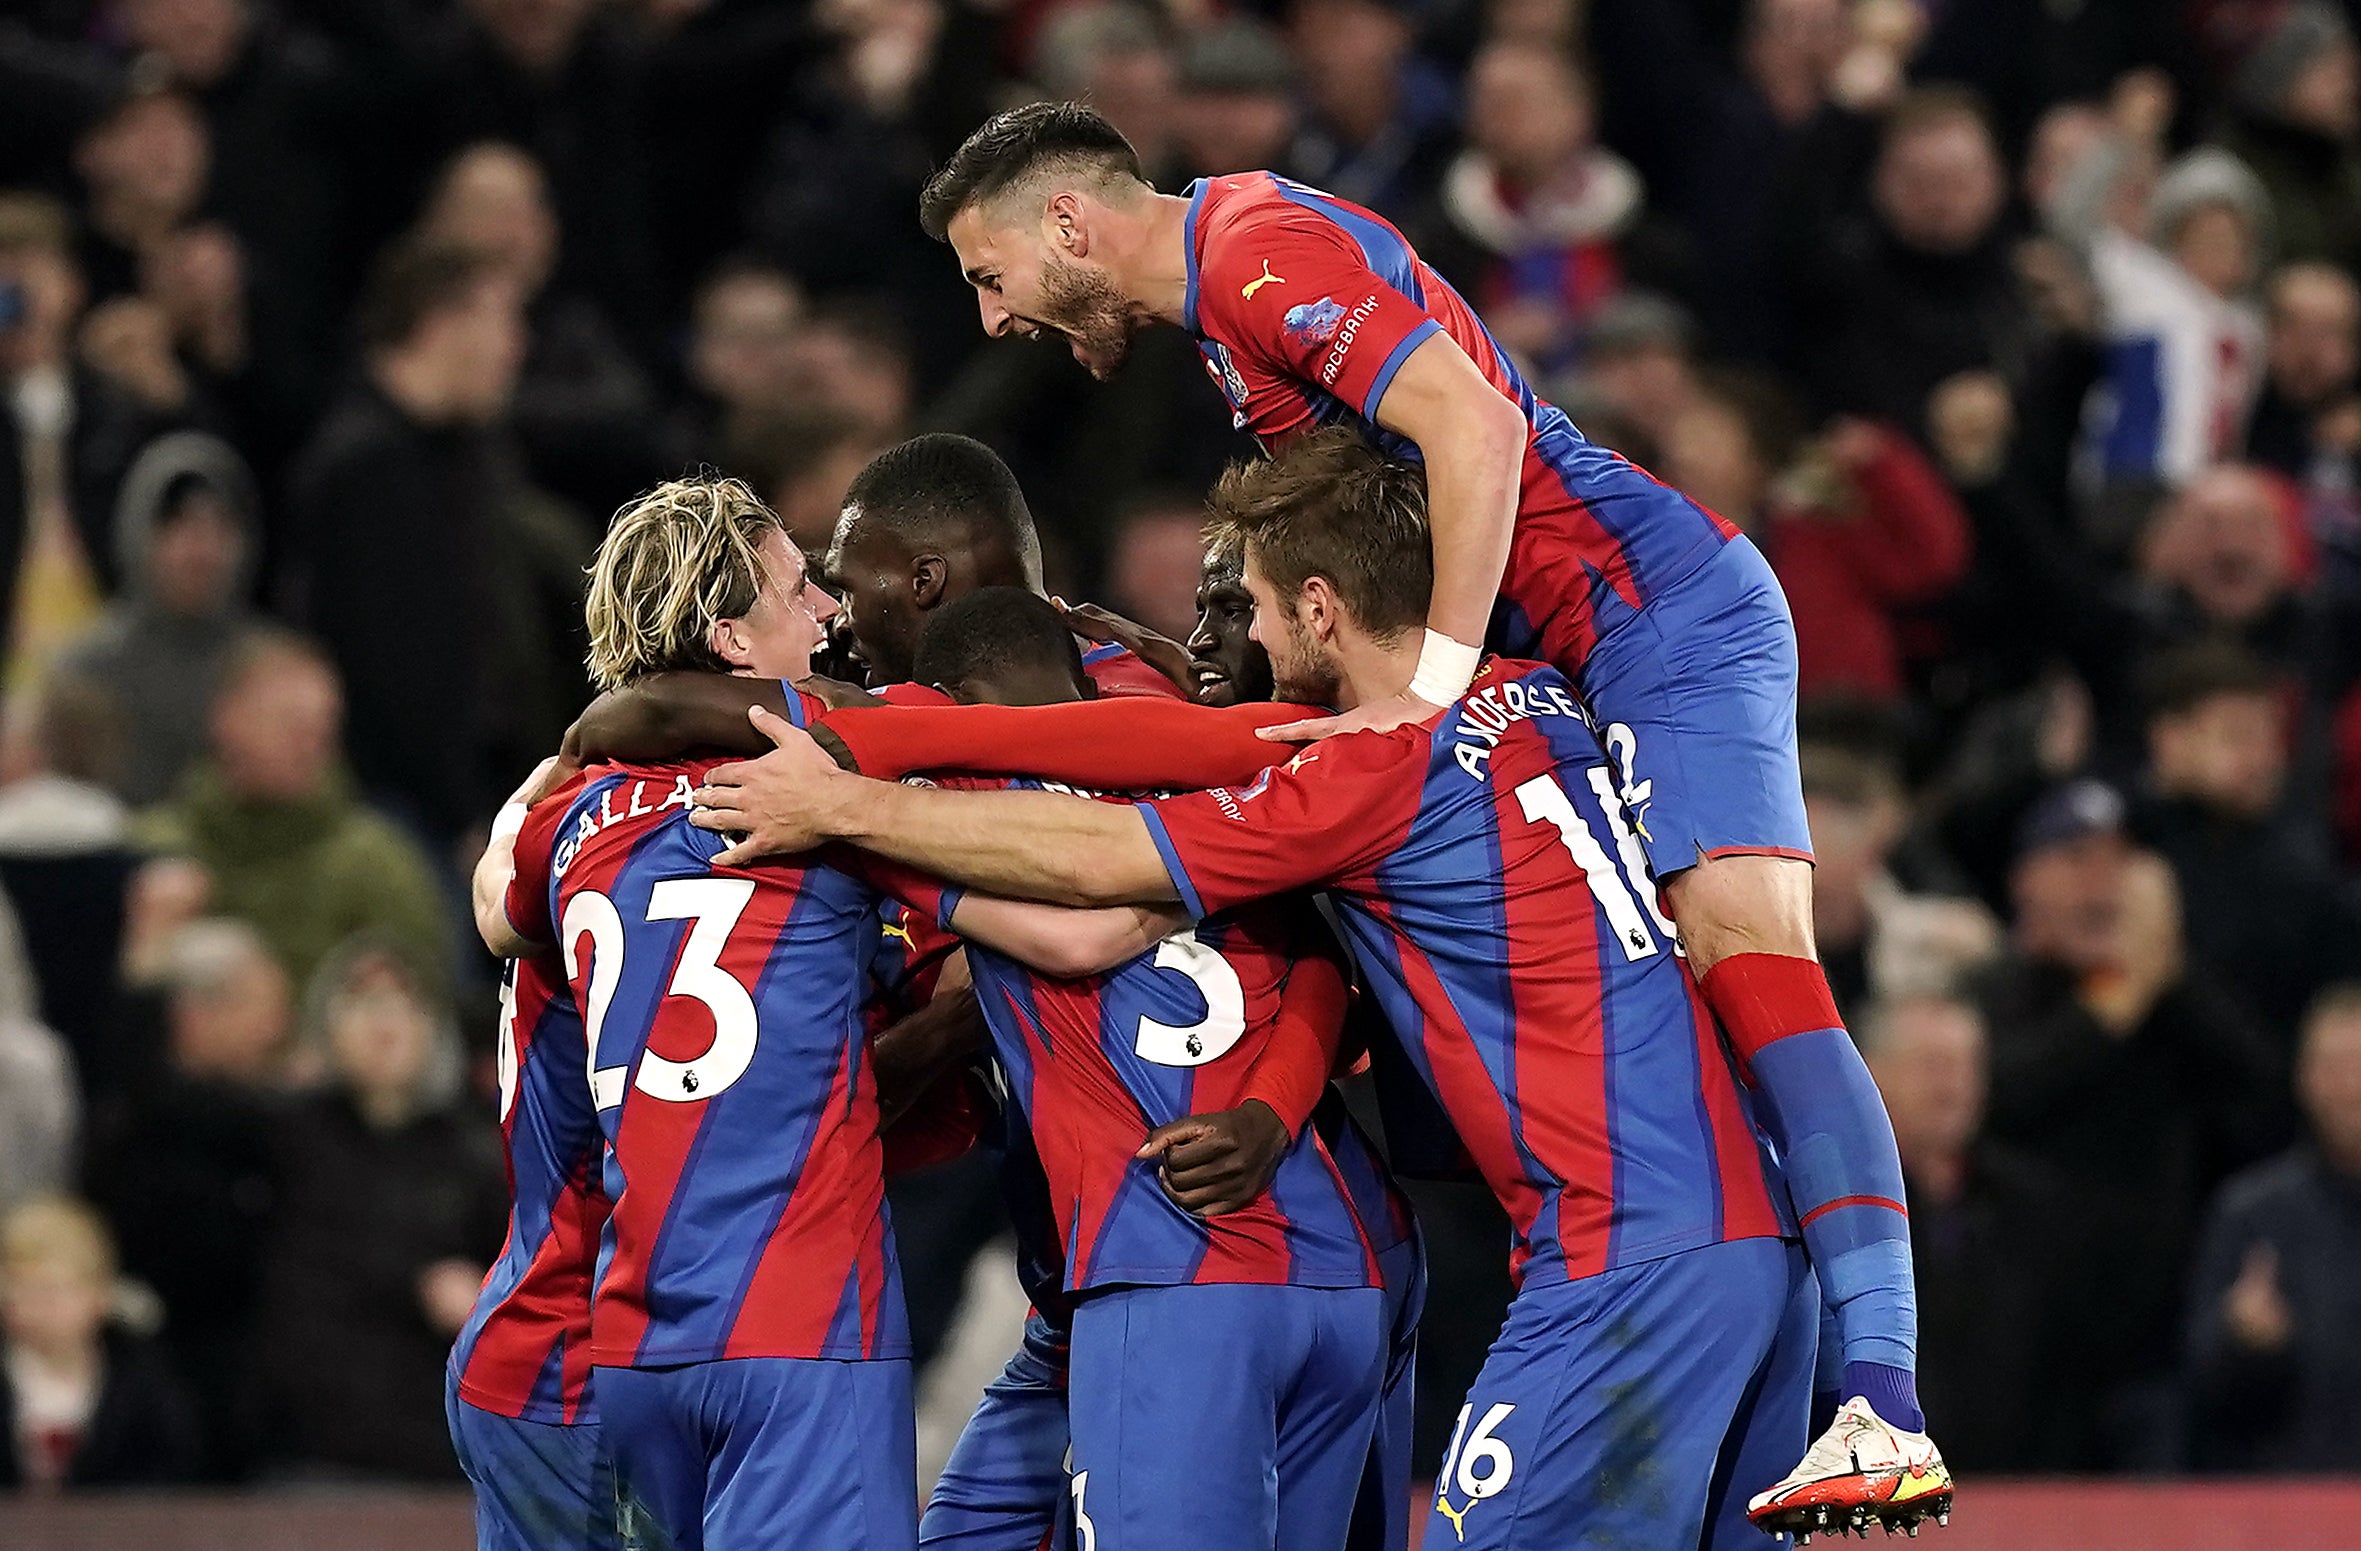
(1369, 670)
(1153, 269)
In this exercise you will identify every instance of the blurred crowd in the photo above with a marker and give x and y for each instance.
(2022, 335)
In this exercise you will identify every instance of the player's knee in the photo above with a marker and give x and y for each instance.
(1728, 905)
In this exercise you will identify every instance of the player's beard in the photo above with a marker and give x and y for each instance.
(1084, 305)
(1303, 674)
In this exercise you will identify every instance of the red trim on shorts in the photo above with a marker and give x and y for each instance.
(1762, 997)
(1718, 852)
(1825, 1207)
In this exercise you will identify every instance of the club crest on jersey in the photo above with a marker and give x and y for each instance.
(1232, 382)
(1311, 324)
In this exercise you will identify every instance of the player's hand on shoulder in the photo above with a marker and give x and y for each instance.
(1385, 715)
(836, 694)
(769, 806)
(1220, 1162)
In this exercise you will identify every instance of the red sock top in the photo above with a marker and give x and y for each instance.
(1761, 997)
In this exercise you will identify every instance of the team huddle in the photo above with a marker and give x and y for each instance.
(1506, 711)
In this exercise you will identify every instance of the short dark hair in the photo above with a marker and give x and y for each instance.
(1014, 145)
(413, 282)
(992, 633)
(1924, 107)
(2185, 678)
(939, 485)
(1334, 506)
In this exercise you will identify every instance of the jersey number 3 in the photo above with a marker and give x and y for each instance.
(1224, 1023)
(711, 906)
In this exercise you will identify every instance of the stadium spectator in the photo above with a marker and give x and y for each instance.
(742, 364)
(2131, 1073)
(883, 99)
(271, 822)
(2276, 927)
(802, 461)
(144, 168)
(1537, 223)
(440, 581)
(2294, 102)
(187, 1169)
(84, 1403)
(2307, 424)
(1639, 365)
(582, 409)
(1378, 120)
(73, 430)
(1860, 528)
(1116, 57)
(285, 115)
(566, 81)
(1711, 132)
(2184, 344)
(1237, 98)
(1994, 1238)
(186, 535)
(1159, 552)
(393, 1203)
(66, 862)
(40, 1108)
(1879, 938)
(2221, 559)
(1890, 300)
(2275, 1312)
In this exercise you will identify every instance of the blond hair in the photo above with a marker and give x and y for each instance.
(49, 1230)
(674, 563)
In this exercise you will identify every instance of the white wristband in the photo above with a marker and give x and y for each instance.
(510, 820)
(1445, 668)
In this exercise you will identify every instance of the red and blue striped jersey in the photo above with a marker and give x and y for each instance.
(525, 1350)
(1305, 307)
(728, 1065)
(1498, 903)
(1096, 1064)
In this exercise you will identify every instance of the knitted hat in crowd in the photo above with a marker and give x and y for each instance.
(2282, 51)
(2210, 176)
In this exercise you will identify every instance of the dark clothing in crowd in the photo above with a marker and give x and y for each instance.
(2263, 910)
(2142, 1124)
(2298, 1408)
(188, 1174)
(448, 591)
(143, 1431)
(2000, 1339)
(352, 1370)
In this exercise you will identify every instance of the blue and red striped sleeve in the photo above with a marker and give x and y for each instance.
(1324, 818)
(1323, 317)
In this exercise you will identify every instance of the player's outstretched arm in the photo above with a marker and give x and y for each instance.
(1472, 439)
(1059, 941)
(1027, 845)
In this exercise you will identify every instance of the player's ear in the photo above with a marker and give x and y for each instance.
(728, 642)
(928, 576)
(1068, 223)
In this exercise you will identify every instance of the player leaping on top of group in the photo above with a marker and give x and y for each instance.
(1310, 312)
